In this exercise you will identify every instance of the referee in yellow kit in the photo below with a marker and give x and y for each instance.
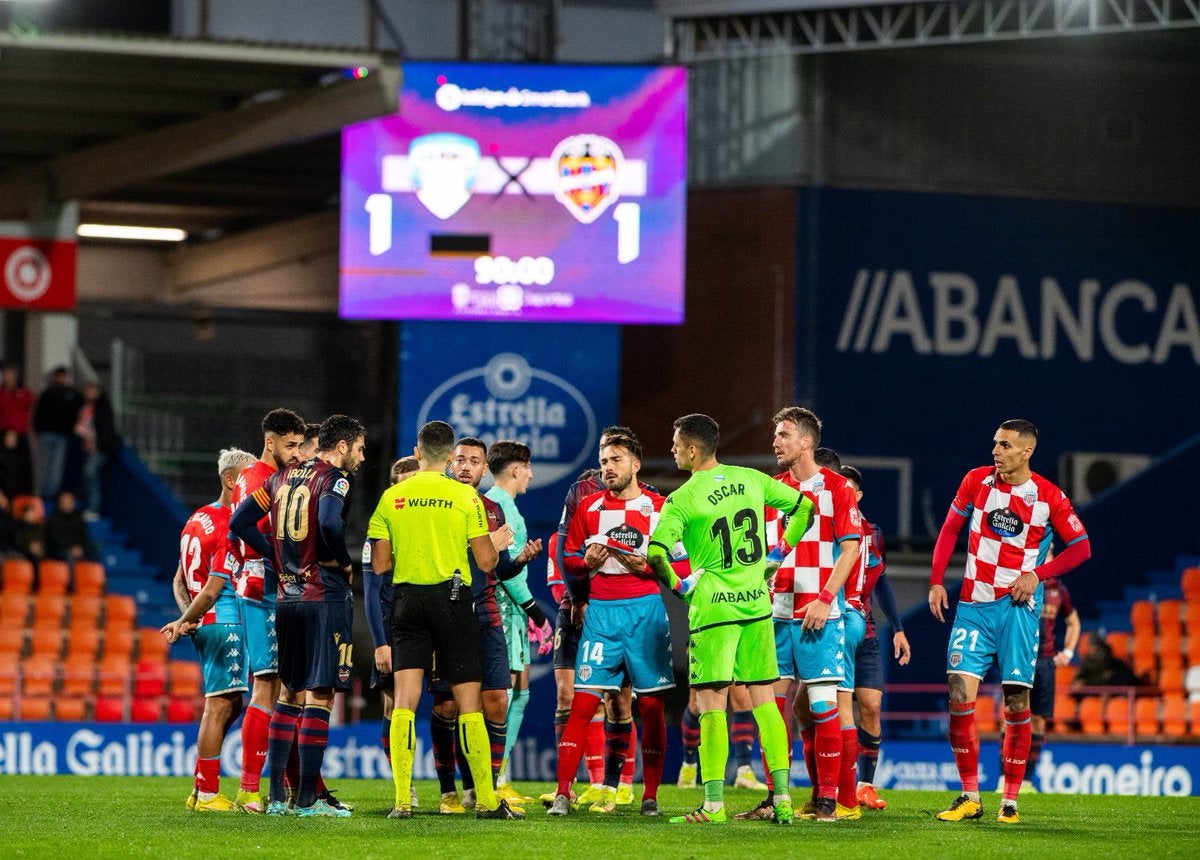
(423, 527)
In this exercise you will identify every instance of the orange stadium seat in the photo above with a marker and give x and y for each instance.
(82, 645)
(1192, 649)
(1116, 715)
(986, 717)
(1189, 581)
(18, 576)
(14, 610)
(109, 709)
(1146, 715)
(46, 642)
(1174, 716)
(54, 577)
(1191, 616)
(78, 679)
(1091, 715)
(12, 640)
(86, 609)
(1118, 641)
(1066, 713)
(49, 610)
(70, 710)
(113, 675)
(1194, 718)
(7, 707)
(1063, 676)
(118, 643)
(182, 709)
(89, 578)
(1170, 615)
(185, 677)
(145, 710)
(1170, 680)
(120, 611)
(152, 645)
(37, 676)
(149, 679)
(1141, 616)
(35, 708)
(1145, 664)
(8, 675)
(1170, 649)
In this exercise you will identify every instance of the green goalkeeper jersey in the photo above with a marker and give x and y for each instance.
(718, 516)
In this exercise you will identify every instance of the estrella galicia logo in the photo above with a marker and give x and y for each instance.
(510, 399)
(627, 535)
(1005, 523)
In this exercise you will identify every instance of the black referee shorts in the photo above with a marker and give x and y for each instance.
(434, 633)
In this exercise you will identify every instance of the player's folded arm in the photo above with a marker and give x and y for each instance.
(333, 527)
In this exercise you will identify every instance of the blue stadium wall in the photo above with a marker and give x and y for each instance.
(924, 320)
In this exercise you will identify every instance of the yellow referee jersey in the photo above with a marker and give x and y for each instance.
(428, 519)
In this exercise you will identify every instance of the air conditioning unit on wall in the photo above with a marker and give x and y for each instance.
(1086, 474)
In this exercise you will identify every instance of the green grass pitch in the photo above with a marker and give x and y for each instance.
(89, 817)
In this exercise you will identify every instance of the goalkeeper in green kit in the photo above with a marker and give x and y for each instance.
(718, 516)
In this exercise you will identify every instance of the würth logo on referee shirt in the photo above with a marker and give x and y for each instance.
(423, 503)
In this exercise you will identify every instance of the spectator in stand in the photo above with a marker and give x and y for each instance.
(16, 406)
(54, 417)
(66, 531)
(1100, 667)
(16, 472)
(29, 534)
(97, 432)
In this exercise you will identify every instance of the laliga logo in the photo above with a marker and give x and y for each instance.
(587, 175)
(518, 401)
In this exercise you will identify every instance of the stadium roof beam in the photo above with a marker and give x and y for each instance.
(709, 30)
(114, 164)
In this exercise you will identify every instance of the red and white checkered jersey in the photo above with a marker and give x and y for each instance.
(629, 521)
(856, 582)
(1012, 528)
(554, 576)
(202, 550)
(807, 568)
(249, 576)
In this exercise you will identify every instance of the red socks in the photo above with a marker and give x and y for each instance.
(847, 778)
(1018, 729)
(255, 727)
(654, 743)
(964, 743)
(570, 747)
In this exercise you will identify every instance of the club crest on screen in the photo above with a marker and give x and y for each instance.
(587, 175)
(444, 168)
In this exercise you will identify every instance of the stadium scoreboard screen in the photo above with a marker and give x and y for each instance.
(516, 192)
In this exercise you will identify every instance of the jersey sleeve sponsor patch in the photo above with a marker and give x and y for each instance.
(341, 486)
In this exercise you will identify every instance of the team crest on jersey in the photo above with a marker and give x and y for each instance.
(585, 672)
(587, 177)
(955, 659)
(1029, 497)
(341, 486)
(646, 508)
(444, 171)
(1005, 523)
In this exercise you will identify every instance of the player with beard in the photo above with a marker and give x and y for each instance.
(307, 505)
(254, 576)
(624, 627)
